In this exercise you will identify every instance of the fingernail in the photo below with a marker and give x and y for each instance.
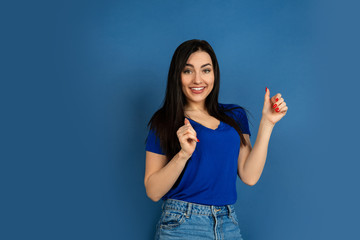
(277, 109)
(276, 99)
(197, 140)
(265, 89)
(274, 105)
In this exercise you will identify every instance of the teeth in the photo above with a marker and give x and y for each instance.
(197, 89)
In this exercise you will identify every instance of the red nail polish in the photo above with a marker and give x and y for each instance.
(265, 89)
(277, 109)
(197, 140)
(274, 105)
(276, 99)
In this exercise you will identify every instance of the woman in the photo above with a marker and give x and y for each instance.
(196, 148)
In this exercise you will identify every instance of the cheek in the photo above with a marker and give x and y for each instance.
(185, 80)
(184, 88)
(210, 80)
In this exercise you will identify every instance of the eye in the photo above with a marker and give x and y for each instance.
(207, 70)
(187, 71)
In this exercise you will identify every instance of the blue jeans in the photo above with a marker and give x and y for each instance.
(192, 221)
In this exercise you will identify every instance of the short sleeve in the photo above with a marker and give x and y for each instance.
(239, 115)
(242, 120)
(153, 143)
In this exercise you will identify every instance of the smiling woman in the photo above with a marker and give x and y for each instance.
(197, 78)
(196, 148)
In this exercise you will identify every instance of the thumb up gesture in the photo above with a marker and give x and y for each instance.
(187, 138)
(274, 108)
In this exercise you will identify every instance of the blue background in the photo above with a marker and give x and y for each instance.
(81, 79)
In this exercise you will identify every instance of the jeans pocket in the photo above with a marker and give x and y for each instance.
(234, 218)
(172, 219)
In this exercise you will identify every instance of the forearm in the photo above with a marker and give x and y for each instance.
(255, 162)
(160, 182)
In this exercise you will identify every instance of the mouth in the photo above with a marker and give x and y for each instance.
(197, 90)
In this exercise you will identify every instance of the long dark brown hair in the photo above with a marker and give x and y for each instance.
(170, 117)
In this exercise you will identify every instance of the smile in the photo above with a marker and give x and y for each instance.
(197, 90)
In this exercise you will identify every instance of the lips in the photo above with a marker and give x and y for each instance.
(197, 90)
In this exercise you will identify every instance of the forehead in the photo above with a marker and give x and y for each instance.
(199, 58)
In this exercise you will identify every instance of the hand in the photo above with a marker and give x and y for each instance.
(187, 138)
(273, 114)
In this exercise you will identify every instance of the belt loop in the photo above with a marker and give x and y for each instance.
(188, 212)
(228, 206)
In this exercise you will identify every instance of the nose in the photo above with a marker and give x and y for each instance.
(197, 78)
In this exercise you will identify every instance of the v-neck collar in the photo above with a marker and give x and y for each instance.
(218, 127)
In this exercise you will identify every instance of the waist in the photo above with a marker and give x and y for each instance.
(195, 208)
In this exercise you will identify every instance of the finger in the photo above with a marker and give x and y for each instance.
(184, 128)
(188, 125)
(278, 103)
(189, 135)
(276, 98)
(181, 130)
(281, 107)
(282, 104)
(190, 130)
(267, 95)
(192, 133)
(284, 110)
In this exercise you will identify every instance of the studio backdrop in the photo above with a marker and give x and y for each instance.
(81, 79)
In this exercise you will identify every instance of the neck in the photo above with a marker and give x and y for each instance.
(191, 106)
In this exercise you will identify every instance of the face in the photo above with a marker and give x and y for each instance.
(199, 74)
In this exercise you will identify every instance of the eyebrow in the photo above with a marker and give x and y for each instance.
(187, 64)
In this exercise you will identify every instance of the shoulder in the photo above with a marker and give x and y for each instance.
(228, 105)
(238, 114)
(234, 108)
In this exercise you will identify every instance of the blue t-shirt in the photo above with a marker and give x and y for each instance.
(210, 174)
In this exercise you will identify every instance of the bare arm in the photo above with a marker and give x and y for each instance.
(251, 161)
(161, 175)
(158, 183)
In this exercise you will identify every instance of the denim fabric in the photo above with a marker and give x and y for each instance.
(186, 220)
